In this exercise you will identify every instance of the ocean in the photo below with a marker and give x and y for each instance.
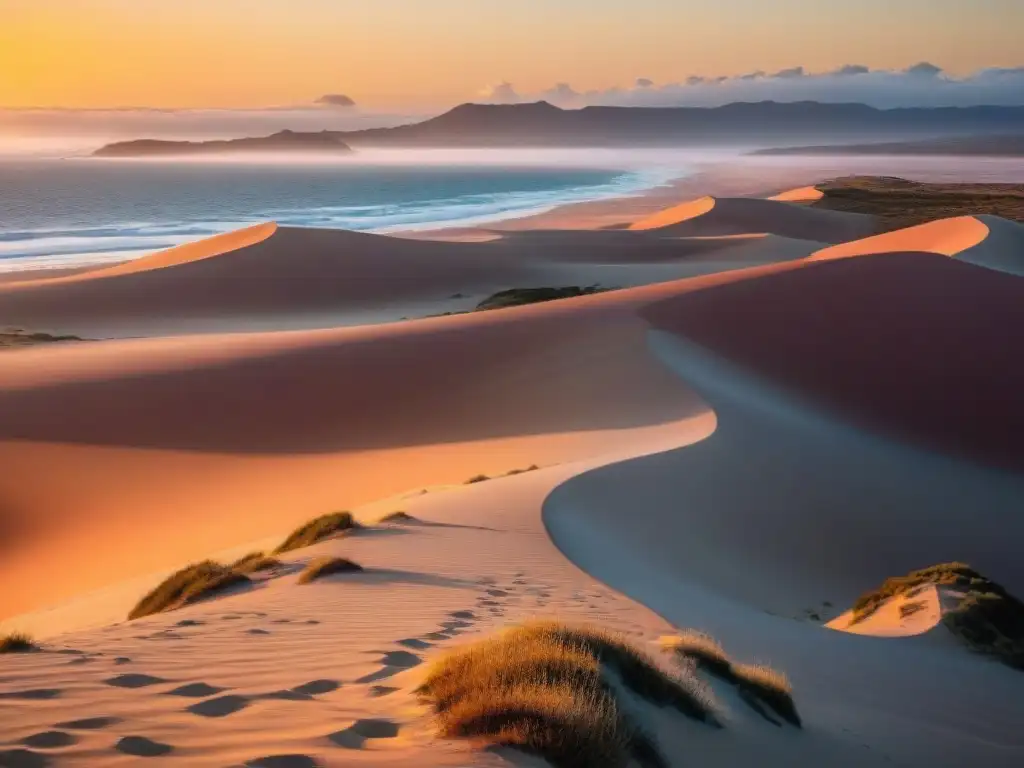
(57, 213)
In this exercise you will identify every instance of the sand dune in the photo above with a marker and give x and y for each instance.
(710, 216)
(799, 195)
(743, 447)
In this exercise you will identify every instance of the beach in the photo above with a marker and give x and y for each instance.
(760, 409)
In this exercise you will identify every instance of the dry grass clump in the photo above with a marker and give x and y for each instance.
(397, 517)
(17, 642)
(477, 479)
(186, 586)
(987, 618)
(325, 566)
(703, 649)
(758, 685)
(554, 691)
(530, 468)
(318, 529)
(958, 575)
(254, 562)
(901, 203)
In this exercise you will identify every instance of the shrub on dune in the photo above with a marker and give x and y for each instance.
(757, 684)
(530, 468)
(397, 517)
(477, 479)
(553, 690)
(255, 562)
(17, 642)
(186, 586)
(325, 566)
(318, 529)
(768, 686)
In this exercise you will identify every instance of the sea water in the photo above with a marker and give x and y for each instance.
(57, 213)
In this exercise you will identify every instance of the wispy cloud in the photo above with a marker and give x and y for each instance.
(921, 85)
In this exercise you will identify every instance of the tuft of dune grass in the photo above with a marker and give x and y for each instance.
(186, 586)
(702, 649)
(397, 517)
(17, 642)
(325, 566)
(759, 685)
(550, 690)
(530, 468)
(316, 530)
(255, 562)
(477, 479)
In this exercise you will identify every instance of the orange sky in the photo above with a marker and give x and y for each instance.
(412, 53)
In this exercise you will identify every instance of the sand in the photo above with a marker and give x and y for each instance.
(775, 413)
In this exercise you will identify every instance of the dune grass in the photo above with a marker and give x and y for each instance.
(515, 297)
(902, 203)
(397, 517)
(555, 691)
(318, 529)
(530, 468)
(186, 586)
(758, 685)
(325, 566)
(477, 479)
(987, 618)
(17, 642)
(255, 562)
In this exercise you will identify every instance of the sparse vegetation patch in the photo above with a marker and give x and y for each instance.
(759, 686)
(987, 618)
(186, 586)
(255, 562)
(325, 566)
(318, 529)
(555, 691)
(17, 642)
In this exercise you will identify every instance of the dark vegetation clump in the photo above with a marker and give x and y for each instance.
(187, 586)
(901, 203)
(759, 685)
(987, 618)
(318, 529)
(555, 691)
(477, 479)
(397, 517)
(17, 642)
(515, 297)
(255, 562)
(26, 339)
(325, 566)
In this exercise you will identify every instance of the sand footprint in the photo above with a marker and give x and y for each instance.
(49, 740)
(415, 643)
(34, 694)
(134, 681)
(140, 746)
(377, 691)
(22, 758)
(196, 690)
(361, 731)
(283, 761)
(219, 707)
(392, 662)
(89, 723)
(465, 615)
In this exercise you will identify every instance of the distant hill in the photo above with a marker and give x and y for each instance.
(992, 146)
(542, 124)
(284, 141)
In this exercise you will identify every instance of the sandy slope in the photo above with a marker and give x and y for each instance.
(711, 216)
(744, 452)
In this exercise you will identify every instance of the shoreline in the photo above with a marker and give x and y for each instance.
(743, 176)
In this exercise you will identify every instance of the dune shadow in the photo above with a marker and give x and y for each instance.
(386, 576)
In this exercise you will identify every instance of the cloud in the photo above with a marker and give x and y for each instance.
(921, 85)
(336, 100)
(502, 93)
(848, 70)
(562, 94)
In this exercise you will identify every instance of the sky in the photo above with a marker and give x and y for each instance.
(407, 56)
